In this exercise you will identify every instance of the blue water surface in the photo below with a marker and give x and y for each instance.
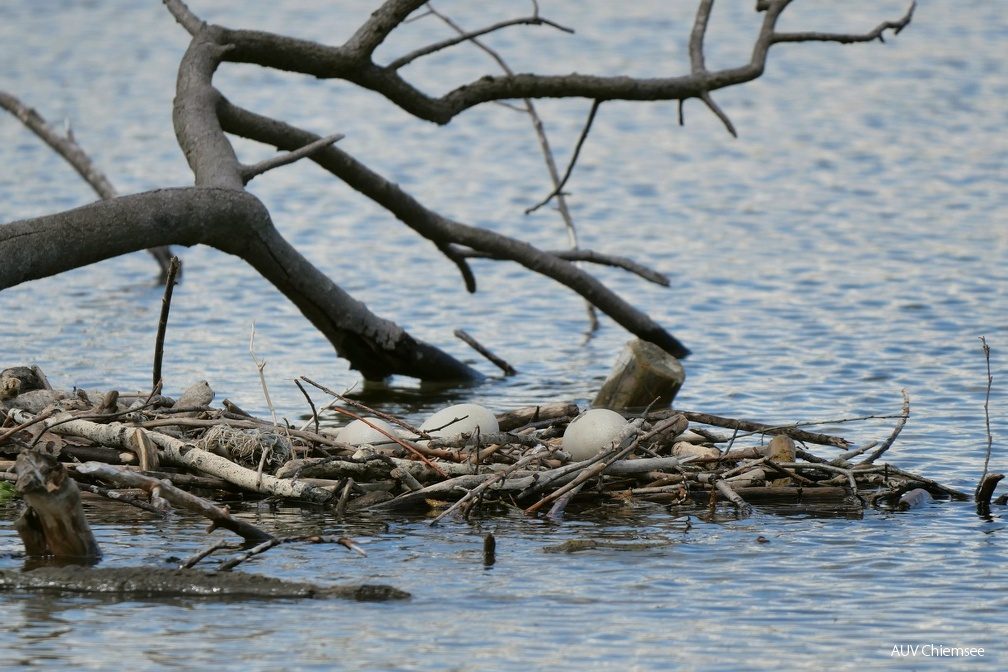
(849, 244)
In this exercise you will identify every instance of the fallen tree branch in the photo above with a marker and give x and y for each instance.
(220, 517)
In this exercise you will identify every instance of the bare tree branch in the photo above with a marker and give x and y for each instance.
(847, 38)
(249, 172)
(558, 189)
(220, 213)
(472, 35)
(68, 148)
(440, 229)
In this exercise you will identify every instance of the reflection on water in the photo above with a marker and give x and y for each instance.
(848, 244)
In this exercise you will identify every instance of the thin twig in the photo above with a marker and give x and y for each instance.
(276, 541)
(478, 347)
(256, 169)
(875, 454)
(573, 160)
(310, 403)
(471, 36)
(173, 268)
(990, 437)
(385, 416)
(262, 377)
(544, 144)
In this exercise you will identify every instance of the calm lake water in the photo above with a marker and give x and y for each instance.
(850, 243)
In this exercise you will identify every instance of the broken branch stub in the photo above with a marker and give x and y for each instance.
(53, 524)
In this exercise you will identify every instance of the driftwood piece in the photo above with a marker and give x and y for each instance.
(176, 452)
(54, 523)
(220, 517)
(985, 489)
(130, 583)
(643, 375)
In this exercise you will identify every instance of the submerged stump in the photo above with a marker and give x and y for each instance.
(643, 375)
(53, 523)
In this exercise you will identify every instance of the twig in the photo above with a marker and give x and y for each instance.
(471, 36)
(697, 63)
(990, 438)
(875, 454)
(220, 517)
(276, 541)
(116, 496)
(193, 560)
(314, 412)
(577, 254)
(573, 160)
(251, 171)
(262, 377)
(173, 268)
(475, 345)
(594, 470)
(384, 416)
(759, 428)
(871, 36)
(530, 110)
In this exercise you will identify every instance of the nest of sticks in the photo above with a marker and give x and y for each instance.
(136, 448)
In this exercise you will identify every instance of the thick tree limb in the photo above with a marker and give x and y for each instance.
(236, 222)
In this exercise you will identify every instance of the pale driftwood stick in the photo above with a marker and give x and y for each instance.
(220, 517)
(990, 439)
(311, 437)
(53, 523)
(857, 451)
(877, 453)
(179, 453)
(720, 485)
(478, 490)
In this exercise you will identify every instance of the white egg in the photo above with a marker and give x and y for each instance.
(358, 433)
(591, 432)
(470, 416)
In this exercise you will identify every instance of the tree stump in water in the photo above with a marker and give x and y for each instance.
(53, 524)
(643, 374)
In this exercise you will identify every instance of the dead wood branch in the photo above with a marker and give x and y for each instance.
(220, 517)
(72, 153)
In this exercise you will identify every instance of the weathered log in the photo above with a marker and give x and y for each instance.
(53, 524)
(130, 583)
(644, 374)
